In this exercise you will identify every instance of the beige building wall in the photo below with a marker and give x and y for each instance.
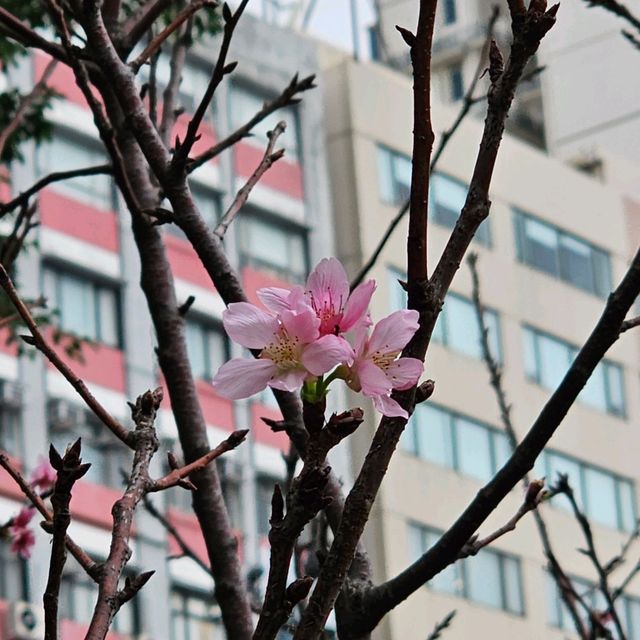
(367, 106)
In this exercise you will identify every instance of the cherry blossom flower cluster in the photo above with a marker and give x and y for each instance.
(42, 478)
(309, 336)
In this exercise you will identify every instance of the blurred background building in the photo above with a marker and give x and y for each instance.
(556, 241)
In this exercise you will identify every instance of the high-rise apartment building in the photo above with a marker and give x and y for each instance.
(583, 107)
(88, 267)
(555, 243)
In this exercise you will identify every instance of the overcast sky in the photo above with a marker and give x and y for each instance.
(330, 19)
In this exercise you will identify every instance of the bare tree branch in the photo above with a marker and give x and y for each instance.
(286, 98)
(221, 69)
(69, 469)
(140, 22)
(176, 23)
(20, 32)
(56, 176)
(38, 341)
(84, 560)
(243, 194)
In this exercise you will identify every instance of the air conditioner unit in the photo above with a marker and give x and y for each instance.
(10, 395)
(63, 414)
(25, 621)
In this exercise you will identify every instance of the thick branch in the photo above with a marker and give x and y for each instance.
(27, 37)
(146, 444)
(360, 499)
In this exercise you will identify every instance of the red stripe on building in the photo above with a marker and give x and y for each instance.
(252, 280)
(91, 503)
(10, 348)
(70, 630)
(100, 364)
(62, 80)
(79, 220)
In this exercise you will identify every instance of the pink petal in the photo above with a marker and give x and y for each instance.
(357, 304)
(291, 380)
(275, 299)
(389, 407)
(328, 282)
(326, 353)
(23, 518)
(404, 372)
(303, 325)
(242, 377)
(249, 326)
(372, 379)
(22, 542)
(392, 333)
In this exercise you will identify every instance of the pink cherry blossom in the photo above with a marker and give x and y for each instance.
(327, 292)
(22, 538)
(291, 349)
(377, 370)
(43, 477)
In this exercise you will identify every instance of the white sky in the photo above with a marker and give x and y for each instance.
(330, 19)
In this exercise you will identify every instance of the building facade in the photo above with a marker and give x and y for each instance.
(88, 267)
(555, 243)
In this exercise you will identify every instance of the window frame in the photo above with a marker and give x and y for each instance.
(601, 283)
(289, 228)
(207, 328)
(98, 284)
(534, 335)
(583, 497)
(461, 567)
(411, 439)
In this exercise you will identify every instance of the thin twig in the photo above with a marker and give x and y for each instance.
(445, 623)
(175, 534)
(219, 72)
(630, 324)
(38, 341)
(140, 22)
(286, 98)
(174, 477)
(243, 194)
(56, 176)
(180, 19)
(26, 36)
(26, 103)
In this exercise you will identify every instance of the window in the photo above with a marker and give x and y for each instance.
(12, 573)
(547, 359)
(457, 328)
(394, 176)
(207, 347)
(68, 422)
(10, 431)
(65, 152)
(606, 498)
(86, 307)
(78, 595)
(447, 197)
(456, 83)
(273, 246)
(195, 616)
(490, 578)
(456, 442)
(562, 255)
(628, 607)
(245, 103)
(450, 14)
(208, 203)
